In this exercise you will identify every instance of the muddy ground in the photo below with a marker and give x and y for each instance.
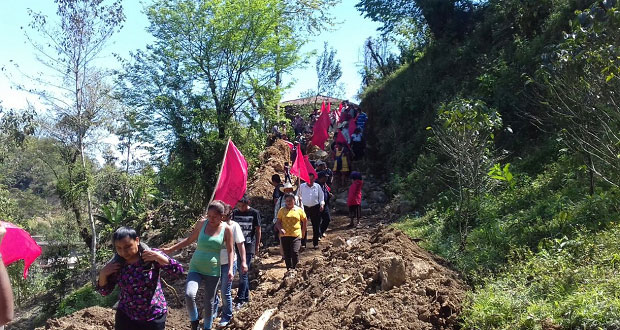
(371, 277)
(345, 284)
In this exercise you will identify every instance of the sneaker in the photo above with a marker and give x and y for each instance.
(223, 323)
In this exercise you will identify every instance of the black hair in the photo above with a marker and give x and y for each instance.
(276, 178)
(217, 206)
(287, 195)
(123, 232)
(309, 174)
(245, 200)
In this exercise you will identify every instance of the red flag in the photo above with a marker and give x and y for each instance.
(309, 168)
(326, 118)
(299, 167)
(341, 139)
(320, 130)
(352, 126)
(232, 182)
(323, 107)
(17, 244)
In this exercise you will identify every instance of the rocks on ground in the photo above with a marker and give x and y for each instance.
(362, 279)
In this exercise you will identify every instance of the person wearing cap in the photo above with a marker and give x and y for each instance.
(314, 202)
(325, 216)
(321, 166)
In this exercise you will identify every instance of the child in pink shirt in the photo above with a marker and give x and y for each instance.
(354, 201)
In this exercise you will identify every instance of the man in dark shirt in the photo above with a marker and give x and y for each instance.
(325, 216)
(322, 167)
(250, 220)
(276, 181)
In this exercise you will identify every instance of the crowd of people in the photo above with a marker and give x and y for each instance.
(228, 239)
(347, 127)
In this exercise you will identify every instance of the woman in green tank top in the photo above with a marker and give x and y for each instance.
(204, 266)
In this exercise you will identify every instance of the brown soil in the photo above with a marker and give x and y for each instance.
(259, 187)
(338, 286)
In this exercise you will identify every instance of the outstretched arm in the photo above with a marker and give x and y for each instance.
(6, 293)
(193, 236)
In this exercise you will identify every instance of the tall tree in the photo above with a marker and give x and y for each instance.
(328, 72)
(227, 45)
(445, 18)
(79, 98)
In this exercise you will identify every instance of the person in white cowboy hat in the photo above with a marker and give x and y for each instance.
(280, 203)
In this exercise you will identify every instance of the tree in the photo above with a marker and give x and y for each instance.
(445, 18)
(579, 86)
(79, 98)
(379, 62)
(328, 72)
(227, 46)
(464, 136)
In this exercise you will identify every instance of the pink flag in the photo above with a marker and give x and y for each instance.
(289, 144)
(232, 182)
(352, 126)
(326, 118)
(309, 168)
(299, 167)
(320, 134)
(337, 113)
(17, 244)
(341, 139)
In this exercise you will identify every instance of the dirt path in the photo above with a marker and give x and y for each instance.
(345, 284)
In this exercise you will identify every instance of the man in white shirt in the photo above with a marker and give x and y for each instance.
(313, 200)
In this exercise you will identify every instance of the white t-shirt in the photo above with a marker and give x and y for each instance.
(237, 236)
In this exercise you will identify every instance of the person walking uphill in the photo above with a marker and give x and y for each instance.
(250, 221)
(354, 200)
(141, 304)
(313, 200)
(204, 266)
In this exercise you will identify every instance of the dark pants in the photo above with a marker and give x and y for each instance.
(326, 218)
(243, 293)
(123, 322)
(291, 246)
(314, 215)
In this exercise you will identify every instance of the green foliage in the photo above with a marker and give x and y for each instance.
(571, 282)
(85, 297)
(502, 174)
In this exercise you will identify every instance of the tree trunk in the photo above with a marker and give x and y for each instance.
(91, 219)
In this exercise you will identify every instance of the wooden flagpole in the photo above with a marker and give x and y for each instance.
(219, 176)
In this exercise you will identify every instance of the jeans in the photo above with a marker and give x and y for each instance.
(326, 218)
(225, 288)
(291, 246)
(123, 322)
(243, 293)
(193, 282)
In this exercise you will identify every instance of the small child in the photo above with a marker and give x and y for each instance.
(287, 173)
(354, 201)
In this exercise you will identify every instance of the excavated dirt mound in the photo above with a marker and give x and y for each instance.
(259, 187)
(361, 279)
(371, 278)
(99, 318)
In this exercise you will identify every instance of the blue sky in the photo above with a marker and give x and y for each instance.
(347, 38)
